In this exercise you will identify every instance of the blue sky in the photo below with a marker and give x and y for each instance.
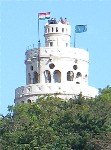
(18, 30)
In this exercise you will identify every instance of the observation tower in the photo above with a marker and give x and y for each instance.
(56, 69)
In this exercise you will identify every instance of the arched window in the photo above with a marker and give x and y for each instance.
(31, 67)
(28, 101)
(56, 29)
(29, 78)
(57, 76)
(35, 77)
(70, 76)
(51, 44)
(62, 29)
(47, 76)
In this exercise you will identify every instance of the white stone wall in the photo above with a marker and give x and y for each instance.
(69, 90)
(64, 60)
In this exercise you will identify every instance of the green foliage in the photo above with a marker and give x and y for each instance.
(54, 124)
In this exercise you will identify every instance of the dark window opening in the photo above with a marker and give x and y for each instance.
(75, 67)
(51, 44)
(78, 75)
(70, 76)
(56, 29)
(47, 76)
(62, 29)
(77, 82)
(35, 77)
(57, 76)
(31, 67)
(86, 76)
(51, 66)
(28, 101)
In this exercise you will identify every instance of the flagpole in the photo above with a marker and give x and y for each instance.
(38, 52)
(40, 16)
(38, 29)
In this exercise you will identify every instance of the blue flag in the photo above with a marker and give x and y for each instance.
(80, 28)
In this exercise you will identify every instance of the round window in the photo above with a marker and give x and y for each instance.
(51, 66)
(79, 75)
(75, 67)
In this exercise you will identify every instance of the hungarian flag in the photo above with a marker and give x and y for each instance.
(80, 28)
(44, 15)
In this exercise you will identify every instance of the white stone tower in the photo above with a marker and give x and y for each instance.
(56, 68)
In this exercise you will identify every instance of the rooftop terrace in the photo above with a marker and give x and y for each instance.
(54, 21)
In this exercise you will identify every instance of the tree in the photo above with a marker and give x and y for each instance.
(54, 124)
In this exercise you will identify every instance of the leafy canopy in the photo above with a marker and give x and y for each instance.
(54, 124)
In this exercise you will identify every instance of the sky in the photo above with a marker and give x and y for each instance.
(18, 31)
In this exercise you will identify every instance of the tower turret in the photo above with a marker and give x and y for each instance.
(57, 34)
(31, 62)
